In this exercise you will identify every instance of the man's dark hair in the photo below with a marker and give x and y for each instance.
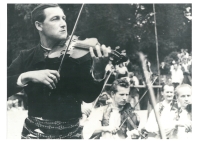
(164, 84)
(38, 12)
(118, 82)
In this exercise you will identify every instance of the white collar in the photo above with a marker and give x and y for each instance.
(45, 48)
(165, 103)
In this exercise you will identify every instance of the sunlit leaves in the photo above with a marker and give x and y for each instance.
(130, 26)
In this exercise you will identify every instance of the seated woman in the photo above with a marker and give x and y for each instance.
(111, 121)
(122, 71)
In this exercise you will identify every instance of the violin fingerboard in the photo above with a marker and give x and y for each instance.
(83, 46)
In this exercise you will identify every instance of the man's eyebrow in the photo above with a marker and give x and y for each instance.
(58, 16)
(54, 16)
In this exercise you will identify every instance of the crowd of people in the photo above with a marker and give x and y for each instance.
(180, 71)
(174, 108)
(175, 116)
(67, 104)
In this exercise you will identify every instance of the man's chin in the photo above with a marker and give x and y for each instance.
(169, 99)
(186, 104)
(62, 37)
(122, 104)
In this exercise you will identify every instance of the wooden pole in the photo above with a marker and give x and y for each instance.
(152, 96)
(158, 63)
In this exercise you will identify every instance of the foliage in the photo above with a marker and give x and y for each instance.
(130, 26)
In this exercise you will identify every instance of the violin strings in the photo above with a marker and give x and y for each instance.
(59, 69)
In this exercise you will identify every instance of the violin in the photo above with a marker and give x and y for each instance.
(79, 48)
(189, 108)
(130, 118)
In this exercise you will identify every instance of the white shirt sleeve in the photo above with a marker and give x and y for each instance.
(181, 76)
(92, 123)
(19, 82)
(151, 124)
(136, 80)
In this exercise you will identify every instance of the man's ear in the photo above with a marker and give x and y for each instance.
(38, 25)
(162, 93)
(112, 94)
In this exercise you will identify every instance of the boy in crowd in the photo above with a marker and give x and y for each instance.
(109, 122)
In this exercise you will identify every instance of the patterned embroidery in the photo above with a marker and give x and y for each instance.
(51, 129)
(161, 108)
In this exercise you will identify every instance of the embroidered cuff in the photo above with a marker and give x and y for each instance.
(99, 80)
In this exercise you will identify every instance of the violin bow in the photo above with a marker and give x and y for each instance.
(152, 96)
(144, 93)
(70, 39)
(95, 102)
(138, 101)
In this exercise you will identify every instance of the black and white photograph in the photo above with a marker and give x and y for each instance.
(99, 70)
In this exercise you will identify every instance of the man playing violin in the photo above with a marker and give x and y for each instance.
(111, 121)
(54, 98)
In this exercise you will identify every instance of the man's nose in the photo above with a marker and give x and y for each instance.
(125, 98)
(186, 99)
(63, 24)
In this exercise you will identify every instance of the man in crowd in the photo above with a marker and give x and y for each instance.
(121, 70)
(110, 69)
(176, 75)
(54, 98)
(166, 114)
(184, 122)
(109, 122)
(175, 118)
(163, 69)
(134, 92)
(186, 72)
(163, 72)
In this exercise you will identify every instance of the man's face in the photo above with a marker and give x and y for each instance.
(182, 50)
(54, 25)
(121, 96)
(175, 66)
(184, 96)
(131, 74)
(168, 93)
